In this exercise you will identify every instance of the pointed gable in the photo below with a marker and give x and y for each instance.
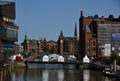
(88, 28)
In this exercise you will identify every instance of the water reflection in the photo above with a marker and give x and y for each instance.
(57, 74)
(45, 75)
(60, 75)
(17, 75)
(86, 75)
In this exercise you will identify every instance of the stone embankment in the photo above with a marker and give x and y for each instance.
(20, 64)
(5, 71)
(85, 66)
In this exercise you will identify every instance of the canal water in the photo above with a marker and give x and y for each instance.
(50, 72)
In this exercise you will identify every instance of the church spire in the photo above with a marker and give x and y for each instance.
(75, 32)
(81, 13)
(61, 33)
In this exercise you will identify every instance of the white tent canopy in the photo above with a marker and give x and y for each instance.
(60, 59)
(45, 58)
(86, 59)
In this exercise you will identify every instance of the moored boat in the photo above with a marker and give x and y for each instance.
(109, 71)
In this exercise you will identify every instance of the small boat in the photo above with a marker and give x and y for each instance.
(109, 71)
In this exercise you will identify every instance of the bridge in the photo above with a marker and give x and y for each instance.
(76, 63)
(55, 59)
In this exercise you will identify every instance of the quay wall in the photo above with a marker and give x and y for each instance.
(5, 72)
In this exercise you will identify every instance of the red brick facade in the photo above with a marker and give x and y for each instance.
(39, 45)
(95, 31)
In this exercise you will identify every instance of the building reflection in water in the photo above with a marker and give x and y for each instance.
(86, 75)
(60, 75)
(45, 75)
(56, 74)
(18, 75)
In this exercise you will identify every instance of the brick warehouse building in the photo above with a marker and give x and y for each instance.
(38, 45)
(98, 35)
(8, 30)
(68, 45)
(64, 45)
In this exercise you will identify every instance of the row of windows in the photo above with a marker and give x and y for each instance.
(109, 25)
(101, 31)
(109, 30)
(104, 37)
(8, 19)
(9, 32)
(8, 45)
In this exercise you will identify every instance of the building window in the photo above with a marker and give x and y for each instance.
(8, 19)
(93, 43)
(94, 49)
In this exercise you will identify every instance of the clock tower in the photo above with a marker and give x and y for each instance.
(61, 42)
